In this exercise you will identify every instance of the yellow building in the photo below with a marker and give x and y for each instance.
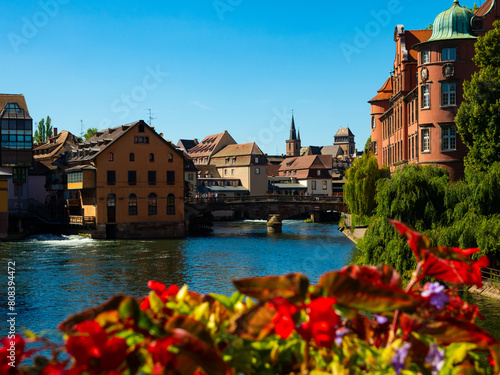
(127, 182)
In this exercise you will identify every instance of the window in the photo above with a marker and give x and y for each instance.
(140, 128)
(152, 177)
(448, 94)
(426, 98)
(111, 156)
(426, 137)
(257, 170)
(227, 160)
(232, 172)
(190, 176)
(132, 204)
(170, 204)
(313, 185)
(373, 122)
(19, 175)
(426, 57)
(138, 139)
(375, 148)
(131, 157)
(318, 173)
(449, 139)
(448, 54)
(152, 204)
(324, 185)
(234, 160)
(75, 177)
(256, 160)
(151, 157)
(111, 177)
(132, 177)
(170, 158)
(170, 177)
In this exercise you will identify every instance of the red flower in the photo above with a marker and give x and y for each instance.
(91, 348)
(283, 321)
(323, 321)
(11, 353)
(159, 351)
(161, 291)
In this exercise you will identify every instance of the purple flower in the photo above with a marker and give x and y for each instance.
(435, 357)
(398, 360)
(436, 291)
(380, 319)
(339, 334)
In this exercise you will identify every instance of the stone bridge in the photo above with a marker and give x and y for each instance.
(259, 208)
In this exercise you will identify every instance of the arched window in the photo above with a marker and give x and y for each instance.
(111, 157)
(152, 204)
(170, 158)
(132, 204)
(151, 157)
(131, 157)
(170, 204)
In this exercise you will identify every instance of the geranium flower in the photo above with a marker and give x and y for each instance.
(398, 360)
(161, 291)
(91, 347)
(438, 298)
(435, 357)
(283, 319)
(323, 321)
(5, 353)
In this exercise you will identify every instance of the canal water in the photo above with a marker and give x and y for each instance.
(59, 275)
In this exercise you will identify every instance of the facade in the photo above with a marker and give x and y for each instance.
(412, 115)
(15, 157)
(203, 151)
(311, 171)
(245, 162)
(127, 182)
(293, 143)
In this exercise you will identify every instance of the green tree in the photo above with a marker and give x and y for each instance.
(43, 131)
(367, 144)
(478, 118)
(360, 187)
(90, 132)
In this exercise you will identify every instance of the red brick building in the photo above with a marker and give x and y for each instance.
(412, 115)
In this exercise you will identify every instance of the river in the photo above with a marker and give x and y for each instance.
(59, 275)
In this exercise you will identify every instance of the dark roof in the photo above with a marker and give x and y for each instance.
(344, 132)
(14, 98)
(187, 144)
(485, 8)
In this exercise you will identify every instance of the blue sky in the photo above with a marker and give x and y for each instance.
(206, 66)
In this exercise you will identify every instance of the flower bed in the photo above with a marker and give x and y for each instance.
(354, 321)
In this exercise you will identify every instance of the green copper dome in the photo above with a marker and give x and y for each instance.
(454, 23)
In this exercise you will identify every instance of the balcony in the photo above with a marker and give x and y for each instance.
(81, 220)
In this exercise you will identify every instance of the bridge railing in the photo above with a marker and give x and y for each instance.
(269, 199)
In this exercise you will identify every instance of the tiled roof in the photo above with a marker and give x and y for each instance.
(485, 8)
(307, 162)
(55, 146)
(207, 146)
(13, 98)
(333, 151)
(385, 92)
(344, 132)
(239, 150)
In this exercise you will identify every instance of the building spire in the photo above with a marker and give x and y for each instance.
(298, 134)
(293, 134)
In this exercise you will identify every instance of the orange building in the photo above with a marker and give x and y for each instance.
(412, 116)
(127, 182)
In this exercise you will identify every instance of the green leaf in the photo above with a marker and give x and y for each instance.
(289, 286)
(155, 302)
(130, 309)
(224, 300)
(363, 295)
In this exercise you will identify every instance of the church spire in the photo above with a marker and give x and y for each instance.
(293, 134)
(298, 134)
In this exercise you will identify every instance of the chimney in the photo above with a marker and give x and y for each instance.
(196, 141)
(55, 131)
